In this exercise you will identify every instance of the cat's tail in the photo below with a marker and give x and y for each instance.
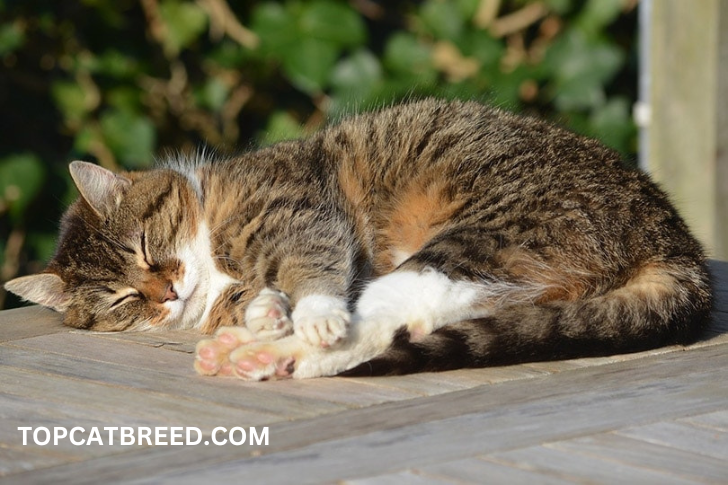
(663, 303)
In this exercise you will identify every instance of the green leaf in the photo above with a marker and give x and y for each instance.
(308, 64)
(213, 94)
(229, 55)
(468, 8)
(504, 87)
(560, 7)
(70, 99)
(281, 126)
(130, 137)
(357, 75)
(83, 140)
(12, 37)
(21, 179)
(404, 53)
(480, 45)
(612, 124)
(276, 28)
(580, 67)
(124, 98)
(443, 19)
(597, 14)
(116, 64)
(185, 21)
(332, 21)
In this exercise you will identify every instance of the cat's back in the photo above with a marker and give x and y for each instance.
(435, 160)
(471, 143)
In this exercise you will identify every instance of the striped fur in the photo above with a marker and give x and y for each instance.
(431, 235)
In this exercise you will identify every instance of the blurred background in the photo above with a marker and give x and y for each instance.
(120, 82)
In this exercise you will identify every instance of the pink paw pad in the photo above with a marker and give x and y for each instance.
(260, 362)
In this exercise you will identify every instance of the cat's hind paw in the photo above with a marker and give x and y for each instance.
(321, 320)
(268, 315)
(260, 362)
(212, 355)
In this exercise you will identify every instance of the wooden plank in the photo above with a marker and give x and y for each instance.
(93, 348)
(682, 436)
(18, 460)
(66, 398)
(230, 392)
(721, 152)
(401, 478)
(717, 420)
(179, 340)
(420, 444)
(580, 468)
(683, 141)
(426, 384)
(20, 412)
(474, 470)
(623, 450)
(347, 392)
(408, 434)
(506, 409)
(29, 322)
(338, 390)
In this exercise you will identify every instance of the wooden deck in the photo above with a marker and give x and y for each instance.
(654, 417)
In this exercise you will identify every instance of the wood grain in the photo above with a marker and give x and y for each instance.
(659, 416)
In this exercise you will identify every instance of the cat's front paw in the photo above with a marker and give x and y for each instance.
(321, 320)
(268, 315)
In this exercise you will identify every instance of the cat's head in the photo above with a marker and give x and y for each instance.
(127, 254)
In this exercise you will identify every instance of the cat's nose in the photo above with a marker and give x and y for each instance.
(169, 294)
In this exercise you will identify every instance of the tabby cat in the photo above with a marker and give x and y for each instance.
(427, 236)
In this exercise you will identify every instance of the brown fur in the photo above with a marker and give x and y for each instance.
(604, 261)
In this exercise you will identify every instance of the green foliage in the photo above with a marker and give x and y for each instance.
(120, 81)
(21, 178)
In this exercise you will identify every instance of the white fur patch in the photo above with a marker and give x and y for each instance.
(421, 301)
(201, 284)
(428, 299)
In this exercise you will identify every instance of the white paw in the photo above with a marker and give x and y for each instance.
(321, 320)
(267, 316)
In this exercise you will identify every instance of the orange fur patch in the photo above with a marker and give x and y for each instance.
(351, 185)
(559, 278)
(651, 283)
(415, 217)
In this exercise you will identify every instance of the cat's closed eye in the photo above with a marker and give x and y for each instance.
(125, 296)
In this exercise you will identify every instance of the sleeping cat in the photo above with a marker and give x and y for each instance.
(427, 236)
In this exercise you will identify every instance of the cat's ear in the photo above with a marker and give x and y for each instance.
(45, 289)
(101, 188)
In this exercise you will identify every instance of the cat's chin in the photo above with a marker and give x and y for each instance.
(187, 311)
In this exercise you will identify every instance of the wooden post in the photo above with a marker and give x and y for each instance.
(687, 136)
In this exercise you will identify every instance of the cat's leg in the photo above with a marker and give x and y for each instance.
(456, 276)
(452, 278)
(416, 302)
(308, 255)
(401, 301)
